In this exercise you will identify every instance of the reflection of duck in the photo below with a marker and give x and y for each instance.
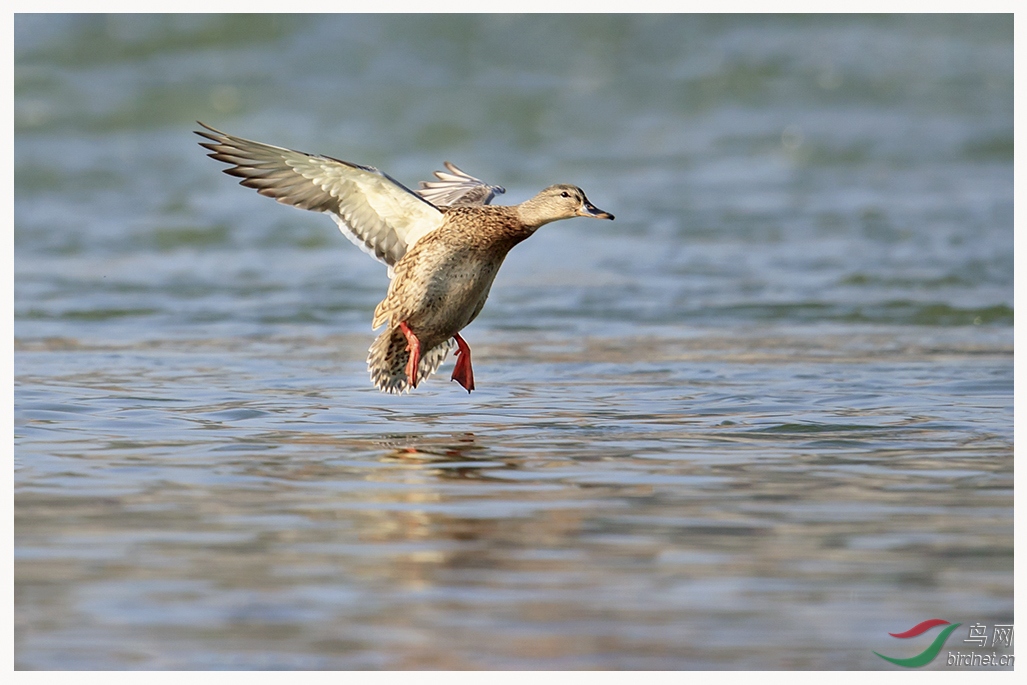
(443, 244)
(445, 457)
(431, 449)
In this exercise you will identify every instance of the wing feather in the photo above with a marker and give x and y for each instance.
(376, 212)
(457, 187)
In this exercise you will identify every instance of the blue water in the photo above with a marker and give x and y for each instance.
(760, 421)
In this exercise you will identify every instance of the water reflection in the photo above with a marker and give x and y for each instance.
(413, 449)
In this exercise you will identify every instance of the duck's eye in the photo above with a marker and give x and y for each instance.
(565, 194)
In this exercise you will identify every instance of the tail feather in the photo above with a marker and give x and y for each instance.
(387, 360)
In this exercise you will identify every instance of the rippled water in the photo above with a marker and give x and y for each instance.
(760, 421)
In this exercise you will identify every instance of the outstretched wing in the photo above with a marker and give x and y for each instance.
(376, 212)
(457, 187)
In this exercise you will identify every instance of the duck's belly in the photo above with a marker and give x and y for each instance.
(452, 296)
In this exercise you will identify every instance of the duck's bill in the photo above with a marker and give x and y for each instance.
(589, 209)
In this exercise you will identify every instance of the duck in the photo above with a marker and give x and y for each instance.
(443, 243)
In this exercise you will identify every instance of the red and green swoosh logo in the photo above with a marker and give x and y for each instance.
(927, 656)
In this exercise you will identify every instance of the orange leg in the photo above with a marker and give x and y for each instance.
(462, 373)
(414, 348)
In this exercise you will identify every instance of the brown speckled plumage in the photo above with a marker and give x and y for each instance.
(440, 286)
(442, 257)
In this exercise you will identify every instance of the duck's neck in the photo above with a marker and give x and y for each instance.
(532, 214)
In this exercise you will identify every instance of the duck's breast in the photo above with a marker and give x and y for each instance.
(452, 289)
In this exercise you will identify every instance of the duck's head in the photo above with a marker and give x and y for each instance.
(559, 202)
